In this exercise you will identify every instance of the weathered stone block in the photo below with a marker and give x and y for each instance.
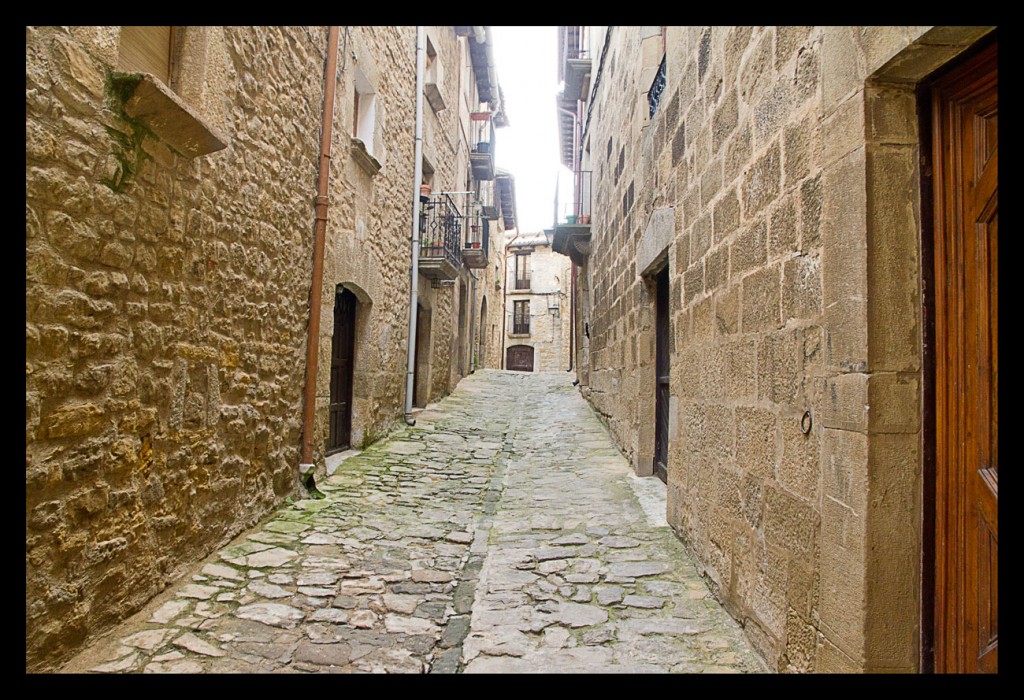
(727, 310)
(894, 401)
(761, 300)
(891, 115)
(893, 261)
(787, 40)
(762, 181)
(782, 233)
(846, 335)
(716, 268)
(756, 70)
(799, 145)
(726, 216)
(756, 449)
(779, 365)
(789, 522)
(844, 467)
(801, 288)
(842, 131)
(842, 69)
(74, 420)
(748, 251)
(842, 402)
(844, 229)
(800, 463)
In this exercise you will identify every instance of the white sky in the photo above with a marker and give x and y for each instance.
(527, 69)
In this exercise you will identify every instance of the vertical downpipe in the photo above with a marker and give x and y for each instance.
(319, 233)
(472, 322)
(414, 270)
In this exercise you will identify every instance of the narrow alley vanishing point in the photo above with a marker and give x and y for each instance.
(500, 534)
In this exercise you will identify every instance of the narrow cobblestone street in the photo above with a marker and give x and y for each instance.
(502, 533)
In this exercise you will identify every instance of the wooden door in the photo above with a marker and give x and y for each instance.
(965, 135)
(343, 344)
(520, 358)
(661, 374)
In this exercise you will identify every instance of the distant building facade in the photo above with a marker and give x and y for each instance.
(777, 232)
(536, 305)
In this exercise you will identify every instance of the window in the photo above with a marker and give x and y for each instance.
(522, 271)
(364, 112)
(521, 318)
(146, 50)
(433, 84)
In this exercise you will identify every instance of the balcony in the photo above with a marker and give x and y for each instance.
(522, 282)
(575, 65)
(481, 155)
(440, 238)
(572, 225)
(474, 254)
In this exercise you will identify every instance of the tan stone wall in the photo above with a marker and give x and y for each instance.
(167, 298)
(550, 317)
(165, 321)
(785, 160)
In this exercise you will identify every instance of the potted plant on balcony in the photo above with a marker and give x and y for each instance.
(584, 218)
(425, 192)
(483, 147)
(570, 219)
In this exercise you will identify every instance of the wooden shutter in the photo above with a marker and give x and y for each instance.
(146, 50)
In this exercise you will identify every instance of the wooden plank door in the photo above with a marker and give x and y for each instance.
(520, 358)
(661, 374)
(343, 344)
(965, 139)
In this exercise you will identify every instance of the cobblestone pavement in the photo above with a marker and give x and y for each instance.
(500, 534)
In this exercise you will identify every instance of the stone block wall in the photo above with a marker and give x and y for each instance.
(784, 158)
(166, 308)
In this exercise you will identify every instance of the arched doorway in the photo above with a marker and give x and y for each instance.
(343, 343)
(519, 358)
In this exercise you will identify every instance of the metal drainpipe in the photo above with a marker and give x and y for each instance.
(414, 270)
(572, 312)
(319, 234)
(472, 323)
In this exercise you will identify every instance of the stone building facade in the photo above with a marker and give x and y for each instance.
(537, 314)
(770, 198)
(169, 257)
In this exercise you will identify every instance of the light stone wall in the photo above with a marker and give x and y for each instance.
(165, 319)
(786, 160)
(550, 317)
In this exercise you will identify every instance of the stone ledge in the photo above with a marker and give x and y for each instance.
(363, 157)
(173, 121)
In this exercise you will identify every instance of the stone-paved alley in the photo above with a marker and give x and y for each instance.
(503, 533)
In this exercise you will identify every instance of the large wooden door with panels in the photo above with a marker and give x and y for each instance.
(965, 112)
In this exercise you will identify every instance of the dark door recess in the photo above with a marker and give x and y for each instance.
(343, 345)
(661, 374)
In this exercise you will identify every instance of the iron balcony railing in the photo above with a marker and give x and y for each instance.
(657, 87)
(574, 206)
(522, 280)
(482, 134)
(477, 233)
(441, 230)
